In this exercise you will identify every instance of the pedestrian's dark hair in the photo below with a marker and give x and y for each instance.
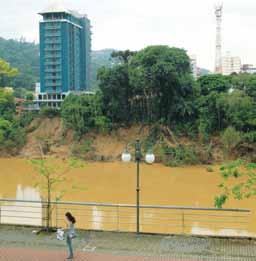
(70, 217)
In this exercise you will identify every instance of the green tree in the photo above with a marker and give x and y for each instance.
(12, 136)
(29, 96)
(162, 84)
(24, 56)
(239, 182)
(240, 111)
(51, 178)
(210, 104)
(7, 105)
(214, 83)
(245, 82)
(116, 93)
(79, 112)
(6, 72)
(123, 56)
(5, 127)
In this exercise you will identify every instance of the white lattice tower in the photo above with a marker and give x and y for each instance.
(218, 14)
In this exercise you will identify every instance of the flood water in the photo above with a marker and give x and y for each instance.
(115, 182)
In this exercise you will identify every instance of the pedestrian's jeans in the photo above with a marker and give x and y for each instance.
(69, 244)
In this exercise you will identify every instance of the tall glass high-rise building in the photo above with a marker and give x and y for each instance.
(65, 52)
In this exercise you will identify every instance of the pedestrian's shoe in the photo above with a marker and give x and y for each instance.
(70, 257)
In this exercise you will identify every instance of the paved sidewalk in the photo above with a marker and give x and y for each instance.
(20, 244)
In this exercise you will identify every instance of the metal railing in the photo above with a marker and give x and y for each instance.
(52, 34)
(120, 217)
(52, 27)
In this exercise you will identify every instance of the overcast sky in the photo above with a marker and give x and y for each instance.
(134, 24)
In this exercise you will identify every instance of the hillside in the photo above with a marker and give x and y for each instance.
(99, 58)
(25, 56)
(60, 142)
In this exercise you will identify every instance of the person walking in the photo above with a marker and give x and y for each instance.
(70, 233)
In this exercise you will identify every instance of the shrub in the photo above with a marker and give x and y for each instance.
(49, 112)
(79, 113)
(180, 155)
(26, 118)
(230, 139)
(82, 149)
(203, 130)
(12, 136)
(102, 124)
(249, 137)
(209, 169)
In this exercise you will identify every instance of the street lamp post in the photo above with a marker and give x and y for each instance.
(150, 158)
(138, 159)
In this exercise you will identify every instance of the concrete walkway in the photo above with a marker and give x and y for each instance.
(17, 243)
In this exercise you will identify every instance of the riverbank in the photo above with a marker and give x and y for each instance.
(48, 135)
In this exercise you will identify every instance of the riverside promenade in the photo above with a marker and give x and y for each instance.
(20, 244)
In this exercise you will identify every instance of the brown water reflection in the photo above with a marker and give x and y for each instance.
(20, 212)
(115, 183)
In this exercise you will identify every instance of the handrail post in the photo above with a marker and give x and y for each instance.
(117, 215)
(56, 211)
(183, 222)
(44, 206)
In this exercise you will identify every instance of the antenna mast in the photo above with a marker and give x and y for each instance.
(218, 14)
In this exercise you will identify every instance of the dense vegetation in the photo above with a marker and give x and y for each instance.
(24, 56)
(12, 135)
(154, 87)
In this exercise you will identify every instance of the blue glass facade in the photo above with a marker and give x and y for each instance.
(65, 52)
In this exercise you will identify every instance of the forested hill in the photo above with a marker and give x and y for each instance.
(99, 58)
(25, 56)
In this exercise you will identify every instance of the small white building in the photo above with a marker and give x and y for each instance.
(249, 68)
(230, 64)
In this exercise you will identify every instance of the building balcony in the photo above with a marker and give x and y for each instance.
(56, 70)
(52, 49)
(52, 27)
(53, 41)
(49, 34)
(52, 63)
(52, 85)
(50, 76)
(52, 56)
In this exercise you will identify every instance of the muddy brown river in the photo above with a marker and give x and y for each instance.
(115, 182)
